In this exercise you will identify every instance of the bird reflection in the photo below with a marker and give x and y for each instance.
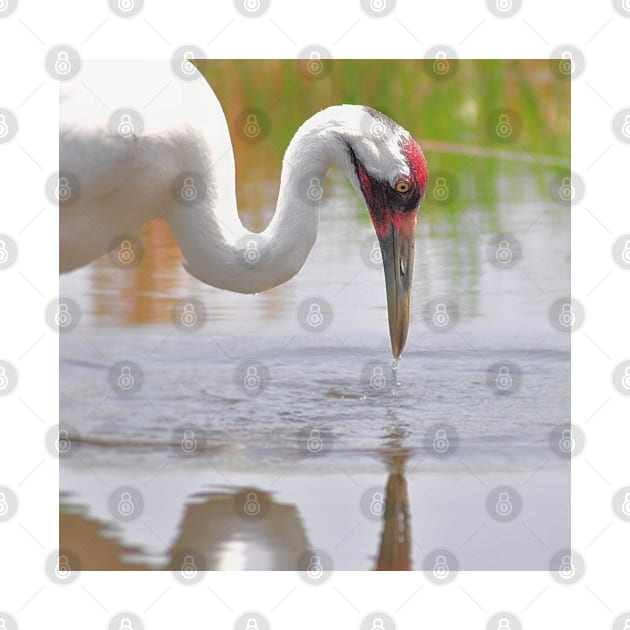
(246, 530)
(394, 552)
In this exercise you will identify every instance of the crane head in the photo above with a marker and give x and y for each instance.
(391, 174)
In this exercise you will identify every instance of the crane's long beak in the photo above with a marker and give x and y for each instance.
(397, 247)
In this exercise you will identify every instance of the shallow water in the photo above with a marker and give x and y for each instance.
(321, 385)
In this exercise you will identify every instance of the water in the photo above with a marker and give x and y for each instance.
(372, 425)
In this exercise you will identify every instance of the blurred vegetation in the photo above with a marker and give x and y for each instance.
(453, 111)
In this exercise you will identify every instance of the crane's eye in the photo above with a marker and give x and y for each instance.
(402, 186)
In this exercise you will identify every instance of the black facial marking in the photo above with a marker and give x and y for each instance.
(381, 195)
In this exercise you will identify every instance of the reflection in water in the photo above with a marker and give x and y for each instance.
(240, 531)
(394, 551)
